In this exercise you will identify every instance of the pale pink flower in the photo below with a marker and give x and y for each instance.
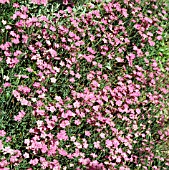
(119, 103)
(16, 5)
(118, 159)
(95, 83)
(4, 1)
(53, 52)
(8, 150)
(62, 135)
(87, 133)
(96, 108)
(116, 143)
(36, 84)
(18, 118)
(26, 155)
(138, 111)
(72, 80)
(8, 139)
(58, 98)
(27, 141)
(2, 133)
(152, 43)
(78, 75)
(52, 28)
(76, 104)
(64, 123)
(109, 143)
(56, 69)
(52, 109)
(159, 37)
(97, 144)
(73, 138)
(77, 122)
(91, 50)
(119, 59)
(53, 80)
(39, 123)
(102, 135)
(1, 145)
(25, 38)
(25, 102)
(135, 127)
(34, 161)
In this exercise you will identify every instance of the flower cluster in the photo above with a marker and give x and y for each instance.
(82, 89)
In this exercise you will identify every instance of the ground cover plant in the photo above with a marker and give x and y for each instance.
(84, 85)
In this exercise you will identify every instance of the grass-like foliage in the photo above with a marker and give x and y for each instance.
(84, 85)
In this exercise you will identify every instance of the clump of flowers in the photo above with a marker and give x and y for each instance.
(80, 88)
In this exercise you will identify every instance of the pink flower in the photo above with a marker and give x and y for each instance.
(27, 141)
(4, 1)
(36, 84)
(64, 123)
(25, 102)
(116, 143)
(77, 122)
(8, 139)
(15, 40)
(91, 50)
(53, 52)
(72, 80)
(44, 165)
(15, 5)
(58, 98)
(65, 2)
(78, 75)
(53, 29)
(118, 159)
(29, 69)
(95, 83)
(76, 104)
(7, 84)
(138, 111)
(97, 144)
(26, 155)
(2, 133)
(1, 145)
(52, 109)
(34, 161)
(159, 37)
(8, 27)
(62, 135)
(89, 58)
(24, 38)
(87, 133)
(39, 2)
(135, 127)
(17, 118)
(119, 59)
(152, 43)
(148, 19)
(96, 108)
(119, 103)
(102, 135)
(109, 143)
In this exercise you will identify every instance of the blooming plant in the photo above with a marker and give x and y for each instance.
(84, 87)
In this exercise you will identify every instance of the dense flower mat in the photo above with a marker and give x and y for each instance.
(84, 87)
